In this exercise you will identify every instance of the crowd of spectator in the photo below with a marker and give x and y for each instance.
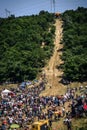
(26, 106)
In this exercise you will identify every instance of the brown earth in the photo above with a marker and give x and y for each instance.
(52, 73)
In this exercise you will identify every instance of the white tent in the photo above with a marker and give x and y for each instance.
(5, 92)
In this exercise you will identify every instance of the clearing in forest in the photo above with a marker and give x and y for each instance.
(52, 73)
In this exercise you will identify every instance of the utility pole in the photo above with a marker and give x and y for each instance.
(8, 13)
(53, 6)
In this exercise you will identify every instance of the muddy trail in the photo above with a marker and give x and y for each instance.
(52, 73)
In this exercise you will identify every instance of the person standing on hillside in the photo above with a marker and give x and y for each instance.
(3, 127)
(68, 123)
(50, 123)
(63, 111)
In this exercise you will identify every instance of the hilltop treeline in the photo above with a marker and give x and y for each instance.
(75, 44)
(25, 45)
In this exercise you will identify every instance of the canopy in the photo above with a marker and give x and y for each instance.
(23, 85)
(5, 92)
(13, 126)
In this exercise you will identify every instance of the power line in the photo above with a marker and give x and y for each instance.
(34, 7)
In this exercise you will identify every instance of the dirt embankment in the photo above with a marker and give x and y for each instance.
(53, 75)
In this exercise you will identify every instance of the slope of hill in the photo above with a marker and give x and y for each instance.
(75, 45)
(21, 59)
(21, 52)
(53, 75)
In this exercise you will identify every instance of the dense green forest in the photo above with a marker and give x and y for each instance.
(27, 42)
(75, 44)
(21, 52)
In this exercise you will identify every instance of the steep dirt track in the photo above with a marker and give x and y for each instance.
(53, 75)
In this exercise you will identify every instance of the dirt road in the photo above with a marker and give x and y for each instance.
(53, 75)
